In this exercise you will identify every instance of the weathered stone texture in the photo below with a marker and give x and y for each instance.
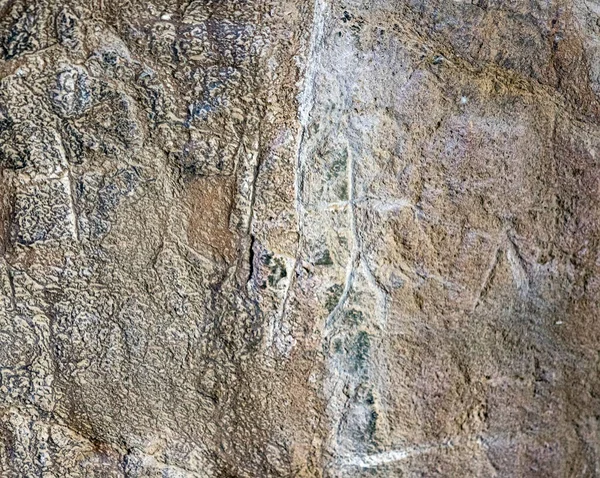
(261, 238)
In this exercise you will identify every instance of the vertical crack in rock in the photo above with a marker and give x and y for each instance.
(305, 105)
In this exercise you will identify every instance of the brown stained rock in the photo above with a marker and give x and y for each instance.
(210, 201)
(266, 238)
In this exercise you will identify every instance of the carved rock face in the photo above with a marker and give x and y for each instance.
(262, 238)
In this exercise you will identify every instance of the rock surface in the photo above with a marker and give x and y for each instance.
(259, 238)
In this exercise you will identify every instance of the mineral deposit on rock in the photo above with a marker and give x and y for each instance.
(299, 238)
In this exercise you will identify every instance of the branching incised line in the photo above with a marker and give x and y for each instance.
(516, 262)
(488, 275)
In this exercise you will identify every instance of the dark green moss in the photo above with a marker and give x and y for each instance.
(324, 259)
(359, 351)
(343, 191)
(354, 317)
(333, 297)
(268, 257)
(278, 272)
(371, 428)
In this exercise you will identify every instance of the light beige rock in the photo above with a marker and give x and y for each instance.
(316, 239)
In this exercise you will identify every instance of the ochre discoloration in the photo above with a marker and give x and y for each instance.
(320, 239)
(210, 201)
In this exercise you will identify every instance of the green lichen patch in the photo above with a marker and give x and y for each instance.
(324, 259)
(359, 351)
(277, 271)
(337, 165)
(334, 293)
(353, 317)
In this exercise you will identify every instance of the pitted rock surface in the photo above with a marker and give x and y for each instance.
(258, 238)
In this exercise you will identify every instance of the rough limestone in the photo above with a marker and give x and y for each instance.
(299, 238)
